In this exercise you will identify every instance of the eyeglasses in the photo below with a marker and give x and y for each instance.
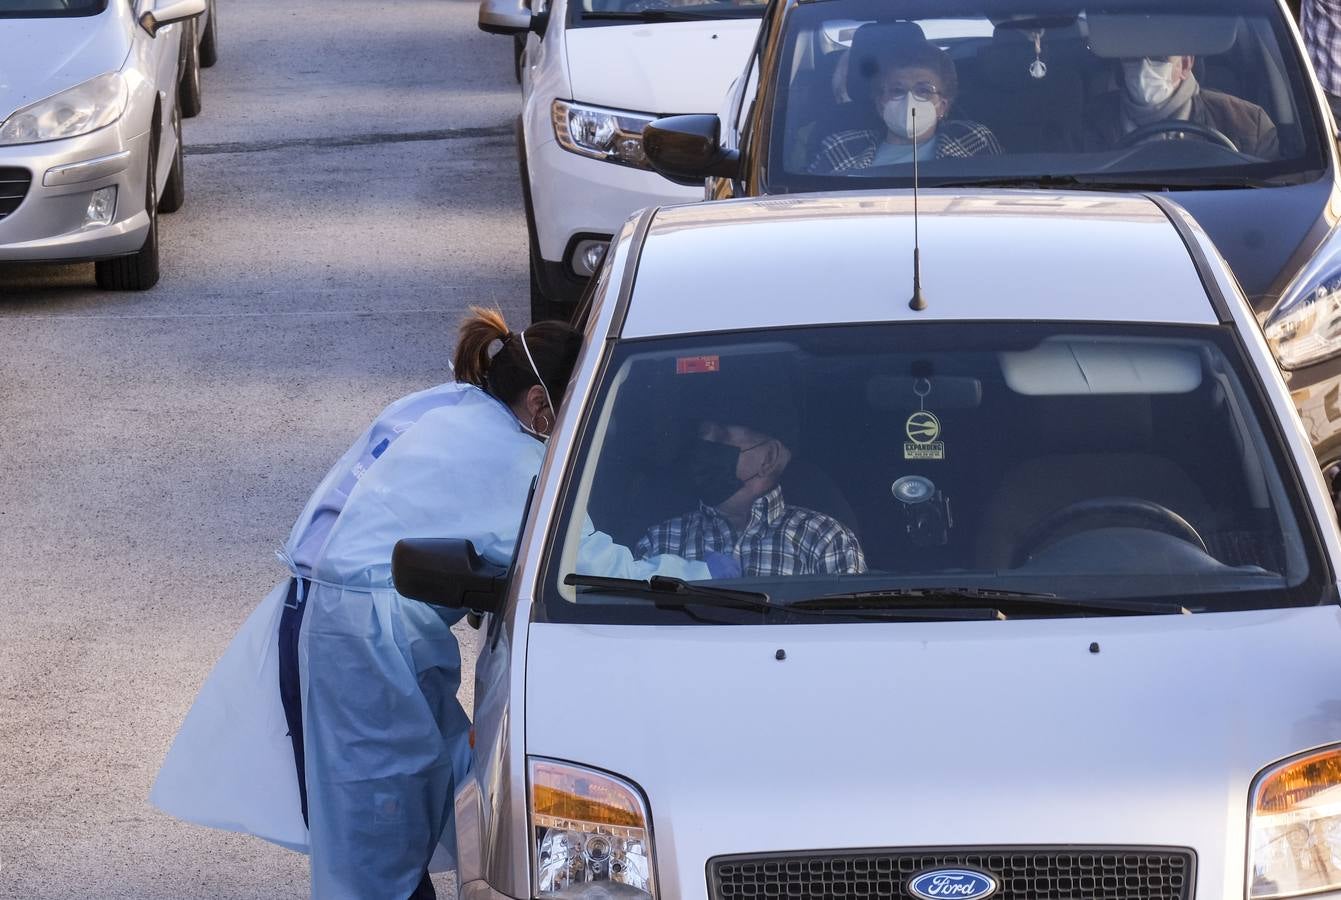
(923, 90)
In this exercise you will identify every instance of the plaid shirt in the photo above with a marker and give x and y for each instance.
(779, 539)
(1321, 23)
(955, 139)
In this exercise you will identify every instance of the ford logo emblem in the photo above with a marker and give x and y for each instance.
(965, 884)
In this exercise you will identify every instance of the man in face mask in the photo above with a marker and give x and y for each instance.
(1164, 89)
(911, 87)
(743, 525)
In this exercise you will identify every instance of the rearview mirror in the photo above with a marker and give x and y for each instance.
(151, 20)
(509, 17)
(687, 149)
(447, 572)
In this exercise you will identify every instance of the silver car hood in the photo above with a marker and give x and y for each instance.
(45, 56)
(887, 735)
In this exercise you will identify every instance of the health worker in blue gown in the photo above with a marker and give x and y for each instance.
(331, 724)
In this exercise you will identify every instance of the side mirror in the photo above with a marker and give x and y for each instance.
(687, 149)
(447, 572)
(509, 17)
(151, 20)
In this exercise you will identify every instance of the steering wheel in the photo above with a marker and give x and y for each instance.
(1170, 126)
(1099, 512)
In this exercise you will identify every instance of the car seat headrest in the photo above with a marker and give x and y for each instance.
(872, 45)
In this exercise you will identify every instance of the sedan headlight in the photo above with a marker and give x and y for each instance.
(1295, 829)
(1305, 326)
(86, 107)
(591, 833)
(607, 134)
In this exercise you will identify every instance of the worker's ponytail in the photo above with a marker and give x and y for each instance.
(479, 331)
(553, 346)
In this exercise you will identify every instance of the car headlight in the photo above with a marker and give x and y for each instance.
(86, 107)
(1294, 835)
(591, 833)
(607, 134)
(1305, 327)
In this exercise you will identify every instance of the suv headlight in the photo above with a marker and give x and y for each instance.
(86, 107)
(607, 134)
(1294, 834)
(1305, 327)
(591, 834)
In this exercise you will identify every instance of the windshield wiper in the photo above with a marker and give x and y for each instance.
(676, 593)
(665, 15)
(670, 591)
(1105, 183)
(1018, 600)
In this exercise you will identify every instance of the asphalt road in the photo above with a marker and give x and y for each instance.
(351, 188)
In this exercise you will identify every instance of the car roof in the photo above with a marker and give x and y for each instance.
(847, 257)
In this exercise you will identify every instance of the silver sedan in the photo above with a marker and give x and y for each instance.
(90, 139)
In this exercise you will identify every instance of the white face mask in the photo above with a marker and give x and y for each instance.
(898, 116)
(1149, 83)
(548, 400)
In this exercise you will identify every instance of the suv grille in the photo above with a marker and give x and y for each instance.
(1023, 873)
(13, 188)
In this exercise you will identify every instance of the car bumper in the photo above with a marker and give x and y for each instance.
(49, 224)
(574, 196)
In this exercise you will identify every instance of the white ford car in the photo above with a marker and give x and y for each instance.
(1034, 593)
(593, 73)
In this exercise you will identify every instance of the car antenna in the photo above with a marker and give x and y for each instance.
(918, 302)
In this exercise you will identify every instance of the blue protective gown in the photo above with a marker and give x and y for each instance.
(386, 740)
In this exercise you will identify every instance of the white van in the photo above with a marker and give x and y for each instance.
(1035, 589)
(593, 73)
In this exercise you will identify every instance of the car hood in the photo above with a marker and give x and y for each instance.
(45, 56)
(978, 733)
(664, 68)
(1265, 234)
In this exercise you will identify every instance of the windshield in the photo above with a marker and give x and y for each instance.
(1186, 94)
(45, 9)
(615, 12)
(1083, 463)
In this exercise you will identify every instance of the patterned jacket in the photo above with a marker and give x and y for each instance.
(955, 139)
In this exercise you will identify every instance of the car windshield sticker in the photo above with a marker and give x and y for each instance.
(696, 365)
(923, 428)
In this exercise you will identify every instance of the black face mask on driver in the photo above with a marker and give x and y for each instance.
(712, 466)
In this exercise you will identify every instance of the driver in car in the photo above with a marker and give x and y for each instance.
(742, 525)
(1163, 89)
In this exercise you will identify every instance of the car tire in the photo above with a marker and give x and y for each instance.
(139, 271)
(188, 88)
(174, 192)
(518, 50)
(209, 40)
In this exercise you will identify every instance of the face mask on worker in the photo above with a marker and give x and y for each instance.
(713, 467)
(1149, 82)
(536, 426)
(899, 118)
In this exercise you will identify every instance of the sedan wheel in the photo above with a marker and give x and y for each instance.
(139, 271)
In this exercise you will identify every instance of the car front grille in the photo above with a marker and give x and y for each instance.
(1022, 873)
(14, 185)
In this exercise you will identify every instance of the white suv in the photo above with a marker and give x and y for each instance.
(593, 73)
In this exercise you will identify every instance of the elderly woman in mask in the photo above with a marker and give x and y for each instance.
(912, 91)
(1164, 89)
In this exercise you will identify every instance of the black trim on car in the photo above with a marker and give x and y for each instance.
(1208, 281)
